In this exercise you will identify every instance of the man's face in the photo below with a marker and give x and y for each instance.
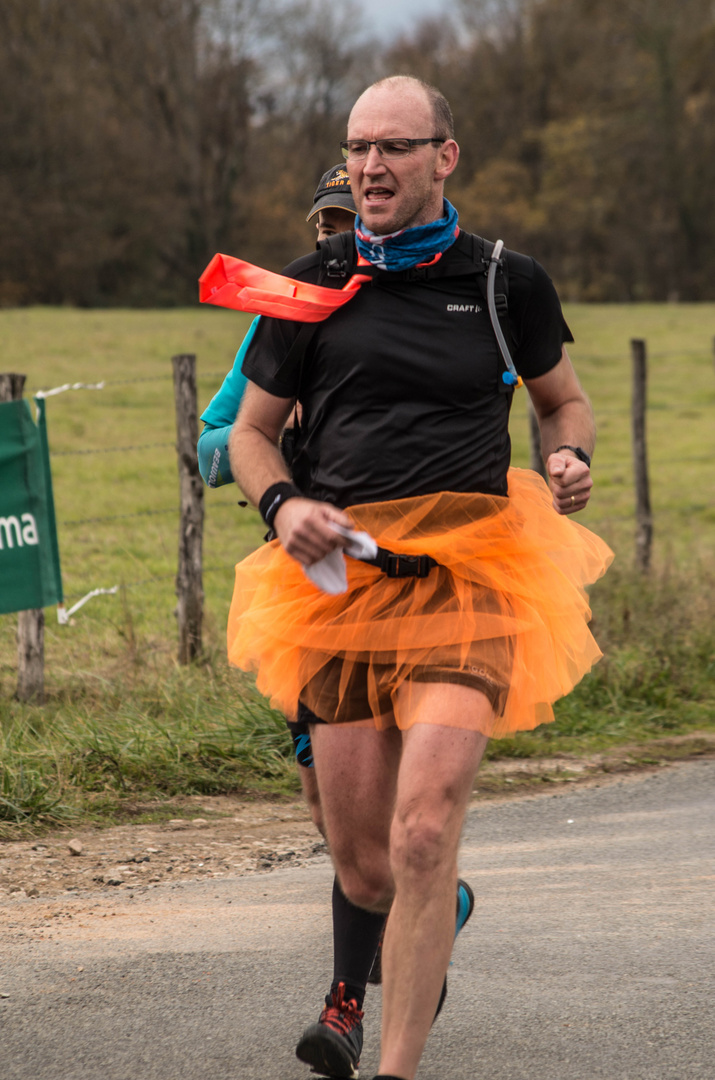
(398, 193)
(334, 220)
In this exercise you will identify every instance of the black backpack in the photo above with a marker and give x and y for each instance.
(338, 259)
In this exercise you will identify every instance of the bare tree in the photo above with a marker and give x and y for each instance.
(140, 136)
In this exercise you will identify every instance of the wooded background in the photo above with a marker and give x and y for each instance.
(139, 137)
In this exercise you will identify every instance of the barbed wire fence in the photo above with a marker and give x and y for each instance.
(190, 569)
(187, 417)
(189, 511)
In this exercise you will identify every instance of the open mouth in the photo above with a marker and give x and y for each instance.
(376, 195)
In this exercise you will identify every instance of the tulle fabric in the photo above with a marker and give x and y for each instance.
(506, 612)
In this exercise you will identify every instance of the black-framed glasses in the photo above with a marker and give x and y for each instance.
(356, 149)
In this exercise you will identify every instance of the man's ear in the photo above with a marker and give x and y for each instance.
(447, 159)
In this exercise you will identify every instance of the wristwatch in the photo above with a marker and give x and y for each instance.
(580, 454)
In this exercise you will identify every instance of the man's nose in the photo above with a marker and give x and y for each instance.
(374, 162)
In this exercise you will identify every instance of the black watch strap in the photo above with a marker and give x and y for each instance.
(580, 454)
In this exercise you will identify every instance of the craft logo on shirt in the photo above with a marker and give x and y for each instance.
(464, 307)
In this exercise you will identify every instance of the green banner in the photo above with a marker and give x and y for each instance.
(30, 575)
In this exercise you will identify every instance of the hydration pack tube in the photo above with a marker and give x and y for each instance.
(510, 376)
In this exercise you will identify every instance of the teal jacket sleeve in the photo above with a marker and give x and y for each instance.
(224, 405)
(218, 419)
(214, 465)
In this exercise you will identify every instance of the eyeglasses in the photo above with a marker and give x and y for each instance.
(356, 149)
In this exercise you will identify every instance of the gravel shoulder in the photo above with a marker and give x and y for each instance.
(223, 836)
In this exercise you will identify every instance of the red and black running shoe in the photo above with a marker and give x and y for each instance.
(332, 1047)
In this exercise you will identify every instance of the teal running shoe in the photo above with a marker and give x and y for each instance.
(465, 904)
(465, 907)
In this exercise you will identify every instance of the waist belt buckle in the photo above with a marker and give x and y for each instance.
(399, 566)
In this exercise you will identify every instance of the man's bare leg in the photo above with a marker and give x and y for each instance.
(436, 776)
(311, 794)
(394, 804)
(356, 770)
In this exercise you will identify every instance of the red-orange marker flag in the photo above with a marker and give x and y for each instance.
(233, 283)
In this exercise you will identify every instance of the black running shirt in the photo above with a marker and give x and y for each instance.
(401, 388)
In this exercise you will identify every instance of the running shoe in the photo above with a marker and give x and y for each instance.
(465, 907)
(332, 1047)
(465, 904)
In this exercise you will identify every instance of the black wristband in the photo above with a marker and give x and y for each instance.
(580, 454)
(273, 498)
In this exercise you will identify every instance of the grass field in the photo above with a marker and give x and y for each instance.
(122, 721)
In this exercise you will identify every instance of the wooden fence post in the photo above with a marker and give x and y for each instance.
(31, 623)
(644, 518)
(537, 460)
(189, 576)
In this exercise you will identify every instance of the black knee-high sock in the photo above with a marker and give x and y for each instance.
(356, 933)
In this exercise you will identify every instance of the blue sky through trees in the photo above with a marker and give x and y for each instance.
(388, 17)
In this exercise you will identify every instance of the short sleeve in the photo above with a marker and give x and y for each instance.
(541, 329)
(263, 362)
(264, 359)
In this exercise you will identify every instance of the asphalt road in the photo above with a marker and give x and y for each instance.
(590, 955)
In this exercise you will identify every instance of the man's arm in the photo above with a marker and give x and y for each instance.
(565, 417)
(302, 525)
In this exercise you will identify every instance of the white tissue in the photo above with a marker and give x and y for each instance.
(329, 573)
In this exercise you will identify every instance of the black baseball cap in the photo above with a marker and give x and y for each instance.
(333, 191)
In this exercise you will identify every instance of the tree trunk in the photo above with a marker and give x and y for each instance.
(189, 577)
(644, 519)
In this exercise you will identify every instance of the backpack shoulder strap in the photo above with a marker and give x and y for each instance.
(296, 354)
(479, 252)
(337, 257)
(337, 254)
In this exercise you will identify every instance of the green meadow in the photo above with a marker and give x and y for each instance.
(124, 724)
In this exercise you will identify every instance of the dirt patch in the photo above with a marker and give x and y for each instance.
(224, 836)
(210, 837)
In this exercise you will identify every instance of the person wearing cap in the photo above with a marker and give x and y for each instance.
(334, 211)
(333, 203)
(476, 619)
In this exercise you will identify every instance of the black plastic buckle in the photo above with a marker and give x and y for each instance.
(337, 268)
(408, 565)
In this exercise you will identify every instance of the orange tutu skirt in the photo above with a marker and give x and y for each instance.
(506, 612)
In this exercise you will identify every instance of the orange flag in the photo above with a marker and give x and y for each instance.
(233, 283)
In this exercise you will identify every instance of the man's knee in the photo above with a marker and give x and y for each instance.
(425, 835)
(370, 893)
(365, 876)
